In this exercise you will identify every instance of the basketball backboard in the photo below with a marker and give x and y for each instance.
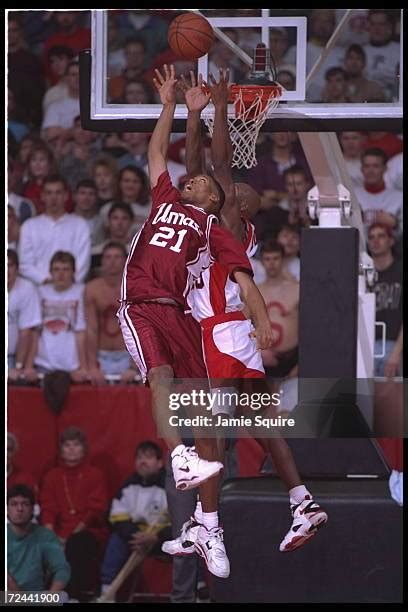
(236, 35)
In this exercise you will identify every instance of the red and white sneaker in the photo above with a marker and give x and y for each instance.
(184, 544)
(308, 517)
(210, 545)
(190, 470)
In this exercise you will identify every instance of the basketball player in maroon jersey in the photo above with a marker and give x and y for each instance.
(217, 306)
(179, 240)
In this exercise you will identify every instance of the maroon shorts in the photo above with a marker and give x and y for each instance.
(161, 334)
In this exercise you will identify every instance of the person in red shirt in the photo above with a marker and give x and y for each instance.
(70, 34)
(179, 240)
(73, 500)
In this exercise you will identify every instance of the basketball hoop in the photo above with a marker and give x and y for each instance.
(252, 104)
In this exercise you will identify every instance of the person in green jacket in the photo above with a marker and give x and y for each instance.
(35, 557)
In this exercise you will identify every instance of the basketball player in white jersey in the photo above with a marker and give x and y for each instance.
(228, 346)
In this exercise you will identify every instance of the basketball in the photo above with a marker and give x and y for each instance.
(190, 36)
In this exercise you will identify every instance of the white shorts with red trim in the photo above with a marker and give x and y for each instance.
(229, 350)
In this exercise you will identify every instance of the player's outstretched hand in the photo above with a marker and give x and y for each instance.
(219, 90)
(166, 84)
(196, 94)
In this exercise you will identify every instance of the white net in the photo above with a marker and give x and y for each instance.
(244, 128)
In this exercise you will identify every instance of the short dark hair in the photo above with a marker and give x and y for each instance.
(375, 152)
(148, 445)
(63, 257)
(335, 70)
(135, 40)
(87, 183)
(73, 433)
(295, 229)
(13, 256)
(272, 246)
(21, 490)
(220, 191)
(358, 49)
(126, 208)
(389, 15)
(55, 178)
(296, 169)
(114, 245)
(60, 51)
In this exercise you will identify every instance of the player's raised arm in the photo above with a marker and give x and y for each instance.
(221, 153)
(159, 142)
(197, 99)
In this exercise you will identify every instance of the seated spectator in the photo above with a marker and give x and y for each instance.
(320, 27)
(136, 91)
(41, 164)
(77, 154)
(22, 207)
(73, 500)
(352, 146)
(61, 340)
(388, 292)
(113, 145)
(135, 69)
(267, 176)
(106, 350)
(116, 55)
(120, 220)
(23, 317)
(133, 189)
(69, 33)
(85, 199)
(35, 557)
(58, 58)
(378, 204)
(60, 115)
(25, 74)
(13, 229)
(279, 45)
(25, 149)
(138, 513)
(147, 27)
(335, 89)
(382, 52)
(221, 56)
(297, 185)
(289, 238)
(105, 177)
(15, 475)
(390, 143)
(359, 88)
(55, 230)
(16, 123)
(281, 294)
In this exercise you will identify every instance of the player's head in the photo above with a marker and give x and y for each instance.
(247, 199)
(204, 191)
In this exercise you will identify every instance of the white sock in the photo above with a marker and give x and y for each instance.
(179, 449)
(198, 513)
(210, 519)
(298, 494)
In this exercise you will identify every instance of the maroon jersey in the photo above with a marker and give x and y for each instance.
(174, 246)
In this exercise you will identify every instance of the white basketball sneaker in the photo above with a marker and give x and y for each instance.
(190, 470)
(184, 544)
(210, 545)
(308, 517)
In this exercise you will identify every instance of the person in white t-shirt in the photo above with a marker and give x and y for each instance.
(379, 204)
(59, 57)
(23, 316)
(61, 342)
(85, 198)
(53, 231)
(59, 116)
(383, 53)
(352, 146)
(288, 237)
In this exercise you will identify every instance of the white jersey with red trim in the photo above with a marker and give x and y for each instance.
(214, 293)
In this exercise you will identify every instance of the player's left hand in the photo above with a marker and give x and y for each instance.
(196, 95)
(166, 85)
(219, 90)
